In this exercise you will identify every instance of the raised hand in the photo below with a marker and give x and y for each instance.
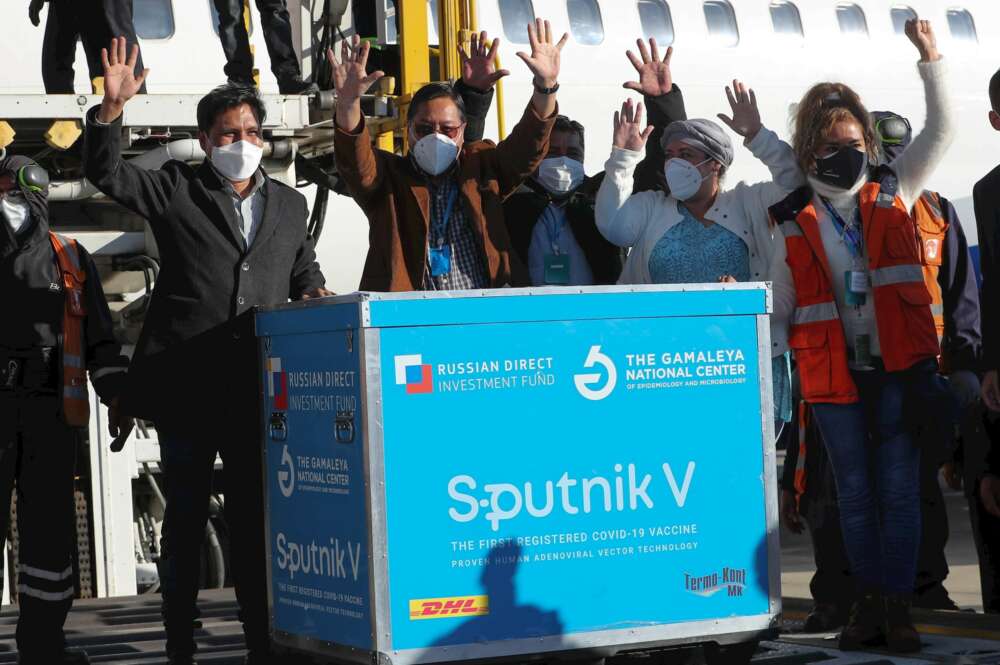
(655, 78)
(544, 59)
(120, 82)
(349, 76)
(478, 65)
(746, 117)
(921, 34)
(629, 132)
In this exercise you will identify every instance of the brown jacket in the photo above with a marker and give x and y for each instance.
(394, 195)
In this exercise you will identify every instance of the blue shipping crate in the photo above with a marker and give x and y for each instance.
(469, 475)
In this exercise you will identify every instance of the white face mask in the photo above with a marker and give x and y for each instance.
(237, 161)
(15, 209)
(435, 153)
(683, 178)
(560, 175)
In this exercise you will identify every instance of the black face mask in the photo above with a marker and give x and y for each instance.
(843, 168)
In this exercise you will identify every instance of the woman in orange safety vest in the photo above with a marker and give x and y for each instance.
(849, 281)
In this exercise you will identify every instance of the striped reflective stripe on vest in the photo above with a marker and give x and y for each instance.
(937, 309)
(76, 402)
(934, 203)
(800, 461)
(897, 275)
(75, 392)
(791, 229)
(824, 311)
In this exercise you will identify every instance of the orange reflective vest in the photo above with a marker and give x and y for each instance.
(901, 299)
(800, 461)
(76, 402)
(932, 226)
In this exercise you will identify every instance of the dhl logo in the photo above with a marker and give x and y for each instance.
(447, 608)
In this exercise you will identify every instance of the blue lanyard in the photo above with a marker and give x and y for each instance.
(442, 239)
(850, 234)
(553, 228)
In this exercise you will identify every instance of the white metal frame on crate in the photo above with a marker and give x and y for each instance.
(731, 631)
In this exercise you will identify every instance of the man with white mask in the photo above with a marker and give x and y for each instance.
(436, 214)
(229, 238)
(551, 218)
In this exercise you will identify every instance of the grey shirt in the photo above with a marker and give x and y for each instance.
(249, 210)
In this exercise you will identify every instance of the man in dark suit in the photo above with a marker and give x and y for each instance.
(230, 238)
(986, 197)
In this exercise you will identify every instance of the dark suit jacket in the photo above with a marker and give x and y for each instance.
(661, 111)
(986, 198)
(962, 344)
(196, 352)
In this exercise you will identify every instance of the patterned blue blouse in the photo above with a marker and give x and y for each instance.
(691, 253)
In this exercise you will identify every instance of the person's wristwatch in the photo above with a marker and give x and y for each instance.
(545, 91)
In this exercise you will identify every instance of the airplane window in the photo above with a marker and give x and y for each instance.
(585, 22)
(785, 19)
(900, 15)
(515, 16)
(432, 22)
(721, 21)
(654, 15)
(215, 18)
(392, 37)
(154, 19)
(852, 20)
(961, 25)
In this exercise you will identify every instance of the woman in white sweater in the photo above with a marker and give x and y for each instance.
(700, 231)
(849, 288)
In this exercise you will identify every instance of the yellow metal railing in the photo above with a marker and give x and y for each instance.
(451, 32)
(457, 20)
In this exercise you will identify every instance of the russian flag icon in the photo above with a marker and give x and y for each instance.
(277, 384)
(414, 374)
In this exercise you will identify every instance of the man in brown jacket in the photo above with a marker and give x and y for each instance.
(436, 215)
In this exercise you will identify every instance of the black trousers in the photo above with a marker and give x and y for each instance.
(832, 583)
(985, 527)
(277, 35)
(986, 532)
(932, 566)
(38, 457)
(187, 455)
(94, 22)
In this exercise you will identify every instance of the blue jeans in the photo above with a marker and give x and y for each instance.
(876, 466)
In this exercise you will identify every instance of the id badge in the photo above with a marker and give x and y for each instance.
(440, 261)
(557, 269)
(855, 287)
(863, 350)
